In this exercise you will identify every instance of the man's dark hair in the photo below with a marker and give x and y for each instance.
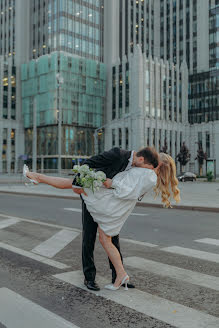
(150, 155)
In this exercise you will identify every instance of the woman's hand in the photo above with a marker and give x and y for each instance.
(79, 191)
(108, 183)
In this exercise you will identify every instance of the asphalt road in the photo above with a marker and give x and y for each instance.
(41, 286)
(160, 226)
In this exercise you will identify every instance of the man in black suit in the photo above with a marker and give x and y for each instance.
(110, 162)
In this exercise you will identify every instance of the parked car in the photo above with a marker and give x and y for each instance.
(188, 176)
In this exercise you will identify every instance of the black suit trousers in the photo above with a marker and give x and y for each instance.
(88, 242)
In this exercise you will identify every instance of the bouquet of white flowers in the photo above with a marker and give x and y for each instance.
(88, 178)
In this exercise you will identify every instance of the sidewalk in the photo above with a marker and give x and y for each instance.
(203, 196)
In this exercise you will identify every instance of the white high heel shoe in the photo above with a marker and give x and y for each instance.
(125, 281)
(25, 170)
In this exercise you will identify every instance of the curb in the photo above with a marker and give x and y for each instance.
(140, 204)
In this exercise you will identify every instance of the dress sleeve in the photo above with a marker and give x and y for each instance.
(134, 183)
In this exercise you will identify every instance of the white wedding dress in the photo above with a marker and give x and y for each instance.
(111, 207)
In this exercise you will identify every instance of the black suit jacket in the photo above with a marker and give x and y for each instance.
(110, 162)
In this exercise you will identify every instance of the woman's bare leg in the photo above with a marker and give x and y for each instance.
(60, 183)
(112, 252)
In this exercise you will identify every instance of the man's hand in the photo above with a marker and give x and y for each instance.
(108, 183)
(79, 191)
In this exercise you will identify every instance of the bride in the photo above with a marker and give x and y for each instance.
(112, 204)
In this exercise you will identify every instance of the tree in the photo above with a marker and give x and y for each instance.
(183, 157)
(201, 157)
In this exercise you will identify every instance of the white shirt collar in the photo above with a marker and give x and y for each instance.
(130, 161)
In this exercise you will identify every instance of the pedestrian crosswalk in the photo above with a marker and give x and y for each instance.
(19, 312)
(57, 242)
(151, 305)
(207, 256)
(8, 222)
(173, 272)
(209, 241)
(170, 311)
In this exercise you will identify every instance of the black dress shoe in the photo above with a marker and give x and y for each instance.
(91, 285)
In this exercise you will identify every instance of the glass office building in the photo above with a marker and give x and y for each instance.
(75, 27)
(79, 100)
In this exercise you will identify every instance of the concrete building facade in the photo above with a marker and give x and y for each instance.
(13, 51)
(181, 33)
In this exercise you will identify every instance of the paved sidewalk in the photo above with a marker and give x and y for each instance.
(194, 195)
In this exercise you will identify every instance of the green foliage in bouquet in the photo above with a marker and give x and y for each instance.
(88, 178)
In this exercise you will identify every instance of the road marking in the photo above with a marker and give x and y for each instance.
(73, 209)
(192, 253)
(35, 257)
(41, 223)
(79, 211)
(209, 241)
(8, 222)
(159, 308)
(167, 270)
(55, 244)
(142, 243)
(17, 311)
(72, 229)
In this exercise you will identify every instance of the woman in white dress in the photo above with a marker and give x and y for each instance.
(111, 205)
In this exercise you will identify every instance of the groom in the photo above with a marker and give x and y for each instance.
(110, 162)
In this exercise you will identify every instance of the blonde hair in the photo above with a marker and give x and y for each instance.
(166, 180)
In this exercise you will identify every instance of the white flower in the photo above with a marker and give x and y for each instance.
(84, 169)
(96, 184)
(76, 168)
(100, 175)
(92, 174)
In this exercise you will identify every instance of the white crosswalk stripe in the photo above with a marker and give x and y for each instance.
(32, 256)
(136, 242)
(209, 241)
(56, 243)
(159, 308)
(17, 311)
(8, 222)
(207, 256)
(167, 270)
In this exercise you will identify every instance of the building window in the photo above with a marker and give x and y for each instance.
(120, 137)
(113, 138)
(208, 144)
(127, 138)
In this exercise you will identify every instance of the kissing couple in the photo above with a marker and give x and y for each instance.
(130, 175)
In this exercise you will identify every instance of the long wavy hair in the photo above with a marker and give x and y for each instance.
(167, 181)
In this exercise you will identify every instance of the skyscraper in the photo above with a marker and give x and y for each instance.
(75, 27)
(13, 51)
(63, 84)
(181, 37)
(146, 71)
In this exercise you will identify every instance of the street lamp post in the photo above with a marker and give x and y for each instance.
(60, 81)
(96, 138)
(34, 156)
